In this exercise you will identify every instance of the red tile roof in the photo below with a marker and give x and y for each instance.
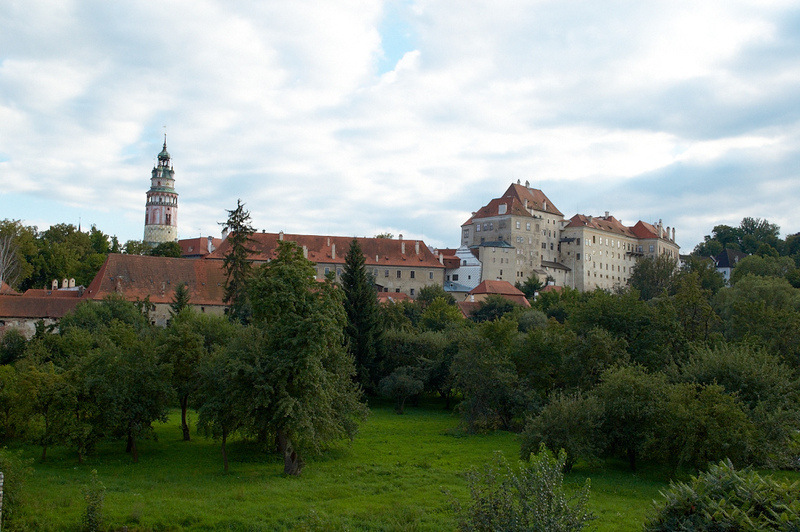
(601, 223)
(512, 205)
(5, 289)
(333, 249)
(536, 198)
(645, 230)
(391, 297)
(137, 276)
(197, 247)
(36, 307)
(503, 288)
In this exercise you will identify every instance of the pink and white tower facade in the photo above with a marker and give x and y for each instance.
(161, 212)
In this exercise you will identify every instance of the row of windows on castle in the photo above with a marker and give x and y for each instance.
(412, 274)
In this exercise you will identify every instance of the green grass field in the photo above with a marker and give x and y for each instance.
(392, 477)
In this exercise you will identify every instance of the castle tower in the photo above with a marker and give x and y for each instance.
(161, 211)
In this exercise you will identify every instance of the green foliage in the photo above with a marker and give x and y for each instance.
(97, 316)
(652, 277)
(428, 294)
(705, 269)
(131, 384)
(492, 308)
(166, 249)
(726, 499)
(17, 246)
(440, 315)
(632, 400)
(695, 315)
(402, 383)
(236, 261)
(531, 285)
(180, 300)
(309, 397)
(94, 495)
(16, 471)
(701, 424)
(570, 422)
(363, 329)
(12, 346)
(136, 247)
(533, 499)
(489, 385)
(763, 266)
(767, 388)
(752, 235)
(530, 319)
(765, 310)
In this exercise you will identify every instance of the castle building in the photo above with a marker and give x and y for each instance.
(161, 210)
(522, 234)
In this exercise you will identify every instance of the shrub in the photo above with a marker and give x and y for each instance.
(93, 494)
(570, 422)
(725, 499)
(15, 471)
(533, 499)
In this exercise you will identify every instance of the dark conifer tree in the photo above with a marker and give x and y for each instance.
(180, 300)
(236, 262)
(363, 328)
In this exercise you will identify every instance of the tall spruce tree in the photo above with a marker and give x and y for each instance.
(237, 261)
(364, 332)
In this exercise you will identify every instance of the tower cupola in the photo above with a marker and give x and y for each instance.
(161, 210)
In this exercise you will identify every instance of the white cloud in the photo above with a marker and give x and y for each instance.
(283, 105)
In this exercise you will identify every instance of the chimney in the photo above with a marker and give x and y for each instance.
(72, 283)
(377, 259)
(518, 181)
(305, 252)
(441, 258)
(673, 234)
(329, 241)
(333, 251)
(280, 236)
(606, 214)
(403, 248)
(224, 233)
(416, 247)
(54, 285)
(210, 244)
(400, 236)
(65, 283)
(527, 184)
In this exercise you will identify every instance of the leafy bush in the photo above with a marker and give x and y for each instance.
(534, 499)
(725, 499)
(403, 383)
(570, 422)
(94, 494)
(15, 471)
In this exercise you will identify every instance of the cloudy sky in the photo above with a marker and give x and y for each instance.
(354, 117)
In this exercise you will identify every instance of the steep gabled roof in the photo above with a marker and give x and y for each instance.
(137, 277)
(333, 249)
(536, 199)
(601, 223)
(645, 230)
(729, 258)
(508, 206)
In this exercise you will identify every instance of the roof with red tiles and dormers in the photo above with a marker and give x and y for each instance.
(536, 199)
(198, 247)
(601, 223)
(333, 249)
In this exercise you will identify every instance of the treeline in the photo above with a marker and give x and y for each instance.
(30, 258)
(693, 373)
(284, 379)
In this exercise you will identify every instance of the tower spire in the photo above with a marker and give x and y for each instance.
(161, 210)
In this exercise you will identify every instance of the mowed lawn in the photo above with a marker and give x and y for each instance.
(394, 476)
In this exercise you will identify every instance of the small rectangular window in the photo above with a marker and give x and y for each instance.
(399, 274)
(386, 273)
(578, 256)
(412, 291)
(412, 274)
(430, 275)
(455, 277)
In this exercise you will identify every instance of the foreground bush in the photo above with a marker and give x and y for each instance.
(533, 499)
(725, 499)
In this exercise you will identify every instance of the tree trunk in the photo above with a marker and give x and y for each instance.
(134, 451)
(184, 425)
(44, 452)
(129, 444)
(224, 451)
(632, 458)
(292, 463)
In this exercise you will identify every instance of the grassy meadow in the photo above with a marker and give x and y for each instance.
(392, 477)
